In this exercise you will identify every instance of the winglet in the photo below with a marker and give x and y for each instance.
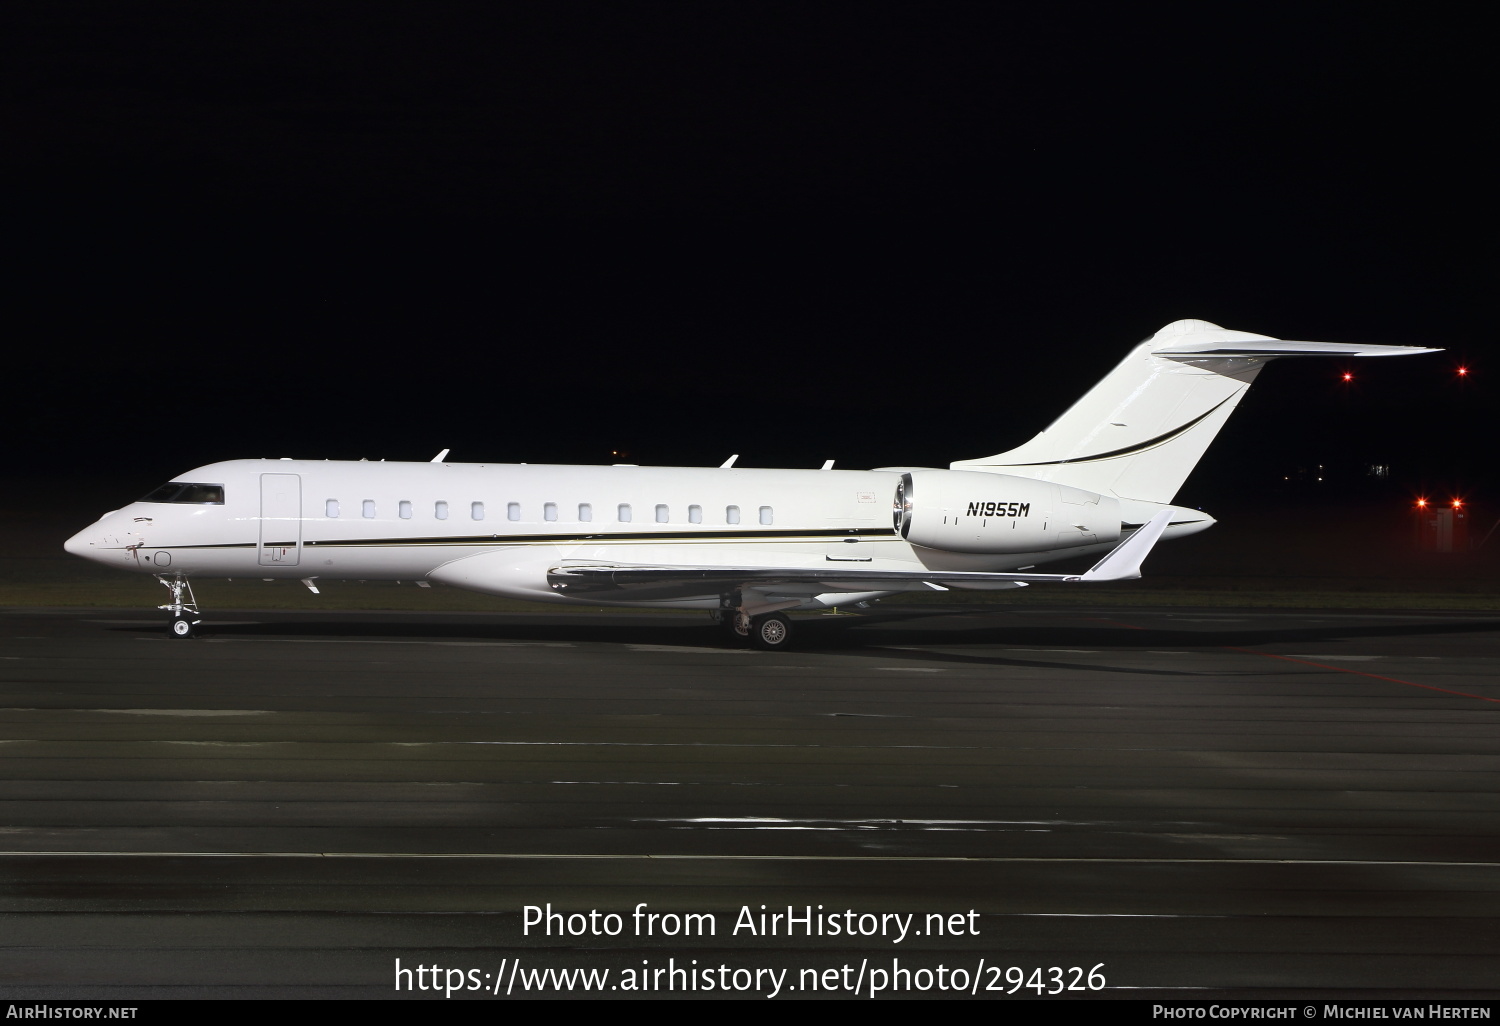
(729, 462)
(440, 457)
(1123, 562)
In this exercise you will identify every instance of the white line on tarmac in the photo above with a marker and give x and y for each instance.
(158, 623)
(1059, 651)
(395, 641)
(169, 712)
(382, 641)
(686, 648)
(520, 856)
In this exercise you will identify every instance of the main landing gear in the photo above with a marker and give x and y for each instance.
(768, 632)
(185, 618)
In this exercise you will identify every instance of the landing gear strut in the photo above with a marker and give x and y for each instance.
(185, 617)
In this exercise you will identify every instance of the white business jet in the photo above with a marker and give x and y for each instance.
(747, 545)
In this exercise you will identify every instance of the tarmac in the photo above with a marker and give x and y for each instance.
(1070, 803)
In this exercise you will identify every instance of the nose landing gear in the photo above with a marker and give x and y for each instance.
(185, 617)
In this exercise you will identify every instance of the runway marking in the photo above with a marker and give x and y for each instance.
(932, 825)
(389, 641)
(1361, 673)
(1338, 658)
(1120, 915)
(173, 712)
(1371, 615)
(495, 644)
(910, 669)
(547, 856)
(157, 623)
(688, 648)
(614, 744)
(218, 744)
(1067, 651)
(394, 641)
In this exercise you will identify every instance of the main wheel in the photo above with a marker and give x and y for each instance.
(771, 631)
(736, 627)
(182, 627)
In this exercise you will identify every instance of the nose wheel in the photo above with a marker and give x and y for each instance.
(183, 607)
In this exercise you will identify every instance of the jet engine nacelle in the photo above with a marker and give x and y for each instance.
(964, 511)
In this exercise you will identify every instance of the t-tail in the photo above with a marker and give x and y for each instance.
(1138, 433)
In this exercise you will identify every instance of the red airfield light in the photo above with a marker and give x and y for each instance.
(1463, 372)
(1421, 504)
(1348, 376)
(1458, 504)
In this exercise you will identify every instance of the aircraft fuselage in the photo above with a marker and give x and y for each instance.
(335, 520)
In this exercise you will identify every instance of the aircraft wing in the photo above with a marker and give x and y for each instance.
(604, 580)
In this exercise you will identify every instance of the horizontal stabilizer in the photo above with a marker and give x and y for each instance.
(1278, 347)
(1139, 432)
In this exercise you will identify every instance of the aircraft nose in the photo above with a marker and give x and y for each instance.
(81, 544)
(96, 541)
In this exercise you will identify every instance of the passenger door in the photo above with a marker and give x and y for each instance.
(280, 519)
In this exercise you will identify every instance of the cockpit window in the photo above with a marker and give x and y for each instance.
(179, 491)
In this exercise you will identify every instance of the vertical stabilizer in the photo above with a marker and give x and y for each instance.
(1139, 432)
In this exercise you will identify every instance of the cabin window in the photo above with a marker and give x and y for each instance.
(662, 514)
(731, 514)
(476, 510)
(367, 509)
(512, 511)
(624, 512)
(585, 512)
(695, 514)
(331, 508)
(549, 511)
(440, 510)
(403, 509)
(766, 516)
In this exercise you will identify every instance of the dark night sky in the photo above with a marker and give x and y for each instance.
(882, 233)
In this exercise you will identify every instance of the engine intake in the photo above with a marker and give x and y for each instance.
(965, 511)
